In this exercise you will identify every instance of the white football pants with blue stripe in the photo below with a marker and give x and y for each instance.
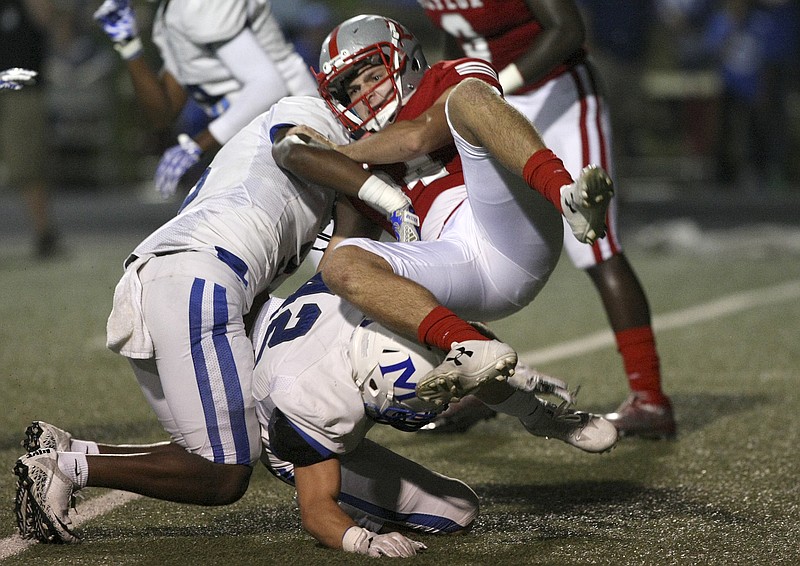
(380, 487)
(200, 382)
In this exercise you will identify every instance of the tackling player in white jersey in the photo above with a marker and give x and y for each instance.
(325, 375)
(538, 48)
(230, 56)
(178, 316)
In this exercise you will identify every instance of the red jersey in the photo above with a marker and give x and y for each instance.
(499, 31)
(425, 178)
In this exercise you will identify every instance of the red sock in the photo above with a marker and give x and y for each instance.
(546, 173)
(640, 358)
(442, 327)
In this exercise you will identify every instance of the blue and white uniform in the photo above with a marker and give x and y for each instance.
(311, 409)
(178, 308)
(231, 56)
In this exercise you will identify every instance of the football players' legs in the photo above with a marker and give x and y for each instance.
(391, 489)
(579, 131)
(199, 386)
(461, 270)
(517, 223)
(192, 305)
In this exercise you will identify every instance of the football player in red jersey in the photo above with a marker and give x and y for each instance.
(538, 48)
(468, 161)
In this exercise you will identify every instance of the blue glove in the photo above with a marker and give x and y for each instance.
(15, 78)
(118, 21)
(174, 163)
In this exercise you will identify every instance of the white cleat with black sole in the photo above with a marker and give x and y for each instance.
(466, 367)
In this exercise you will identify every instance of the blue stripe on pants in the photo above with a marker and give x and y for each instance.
(423, 521)
(201, 368)
(230, 376)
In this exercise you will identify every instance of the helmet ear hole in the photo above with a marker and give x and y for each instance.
(373, 385)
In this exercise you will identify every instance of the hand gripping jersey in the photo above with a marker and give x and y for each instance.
(498, 31)
(427, 179)
(245, 205)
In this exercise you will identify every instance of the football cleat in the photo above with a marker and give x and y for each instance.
(466, 367)
(405, 224)
(43, 510)
(460, 416)
(43, 435)
(635, 417)
(590, 433)
(585, 203)
(26, 518)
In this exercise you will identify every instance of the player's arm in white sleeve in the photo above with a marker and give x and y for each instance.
(318, 487)
(262, 84)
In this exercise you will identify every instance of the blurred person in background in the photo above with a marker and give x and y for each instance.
(229, 56)
(24, 43)
(537, 46)
(753, 44)
(619, 32)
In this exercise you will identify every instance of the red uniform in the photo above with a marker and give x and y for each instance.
(427, 177)
(498, 31)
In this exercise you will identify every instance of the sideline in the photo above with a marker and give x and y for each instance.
(719, 308)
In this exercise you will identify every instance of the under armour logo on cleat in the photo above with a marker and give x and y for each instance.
(462, 351)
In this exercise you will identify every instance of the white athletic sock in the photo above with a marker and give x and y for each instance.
(75, 467)
(85, 446)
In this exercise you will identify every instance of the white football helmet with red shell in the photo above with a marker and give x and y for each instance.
(369, 40)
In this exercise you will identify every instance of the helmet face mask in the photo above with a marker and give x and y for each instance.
(363, 42)
(386, 370)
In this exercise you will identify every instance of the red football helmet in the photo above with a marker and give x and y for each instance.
(366, 41)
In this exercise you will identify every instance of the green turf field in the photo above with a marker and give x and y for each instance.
(726, 492)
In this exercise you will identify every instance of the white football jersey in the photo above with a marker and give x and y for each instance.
(246, 206)
(186, 31)
(303, 367)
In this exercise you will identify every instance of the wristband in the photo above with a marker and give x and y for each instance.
(511, 79)
(129, 49)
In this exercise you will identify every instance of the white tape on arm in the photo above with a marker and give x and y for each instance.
(382, 196)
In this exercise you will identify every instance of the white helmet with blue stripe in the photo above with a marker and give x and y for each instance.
(387, 368)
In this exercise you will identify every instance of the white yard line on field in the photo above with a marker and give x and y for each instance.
(730, 304)
(88, 510)
(712, 310)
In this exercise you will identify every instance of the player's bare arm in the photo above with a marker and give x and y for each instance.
(563, 33)
(316, 164)
(318, 488)
(405, 140)
(160, 97)
(349, 223)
